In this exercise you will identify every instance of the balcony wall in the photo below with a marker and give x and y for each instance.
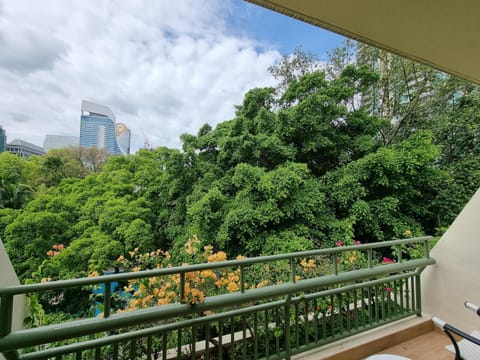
(454, 279)
(9, 277)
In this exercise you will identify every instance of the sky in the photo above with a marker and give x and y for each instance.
(163, 67)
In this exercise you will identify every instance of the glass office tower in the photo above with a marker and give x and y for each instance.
(98, 129)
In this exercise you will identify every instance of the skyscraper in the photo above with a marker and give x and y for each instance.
(98, 129)
(3, 139)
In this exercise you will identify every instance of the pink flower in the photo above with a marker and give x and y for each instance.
(339, 243)
(60, 247)
(387, 260)
(388, 289)
(357, 242)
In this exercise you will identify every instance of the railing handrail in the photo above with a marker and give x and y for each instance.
(66, 330)
(62, 284)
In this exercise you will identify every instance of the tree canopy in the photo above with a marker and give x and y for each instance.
(300, 166)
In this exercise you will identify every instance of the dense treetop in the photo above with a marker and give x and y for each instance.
(314, 161)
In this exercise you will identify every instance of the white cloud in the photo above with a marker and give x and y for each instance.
(163, 67)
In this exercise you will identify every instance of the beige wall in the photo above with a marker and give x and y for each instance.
(9, 277)
(456, 276)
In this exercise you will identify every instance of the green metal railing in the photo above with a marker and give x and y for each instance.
(272, 322)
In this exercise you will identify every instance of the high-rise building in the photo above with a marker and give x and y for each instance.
(98, 128)
(59, 142)
(402, 83)
(3, 139)
(24, 148)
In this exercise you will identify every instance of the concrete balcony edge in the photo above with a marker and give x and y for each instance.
(372, 341)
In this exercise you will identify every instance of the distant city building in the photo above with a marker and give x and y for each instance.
(98, 129)
(59, 142)
(24, 148)
(3, 140)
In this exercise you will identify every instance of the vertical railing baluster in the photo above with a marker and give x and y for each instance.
(78, 355)
(293, 270)
(349, 325)
(395, 298)
(332, 315)
(355, 309)
(255, 335)
(232, 337)
(244, 336)
(340, 312)
(267, 342)
(335, 263)
(306, 323)
(402, 296)
(370, 256)
(182, 287)
(6, 311)
(149, 348)
(132, 349)
(179, 343)
(277, 328)
(363, 304)
(115, 351)
(242, 279)
(370, 310)
(107, 297)
(384, 295)
(193, 354)
(207, 341)
(316, 314)
(400, 253)
(418, 291)
(412, 294)
(297, 325)
(324, 324)
(98, 353)
(407, 294)
(220, 340)
(164, 346)
(288, 337)
(376, 303)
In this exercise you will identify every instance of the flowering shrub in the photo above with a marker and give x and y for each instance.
(167, 289)
(56, 250)
(351, 260)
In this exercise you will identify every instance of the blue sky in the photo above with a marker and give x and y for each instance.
(279, 31)
(163, 67)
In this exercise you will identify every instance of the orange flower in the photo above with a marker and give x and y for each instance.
(232, 287)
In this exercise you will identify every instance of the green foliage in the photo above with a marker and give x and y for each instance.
(388, 192)
(312, 162)
(30, 236)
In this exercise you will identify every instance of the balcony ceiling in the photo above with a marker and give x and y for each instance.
(444, 34)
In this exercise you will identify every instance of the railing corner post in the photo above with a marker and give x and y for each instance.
(426, 249)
